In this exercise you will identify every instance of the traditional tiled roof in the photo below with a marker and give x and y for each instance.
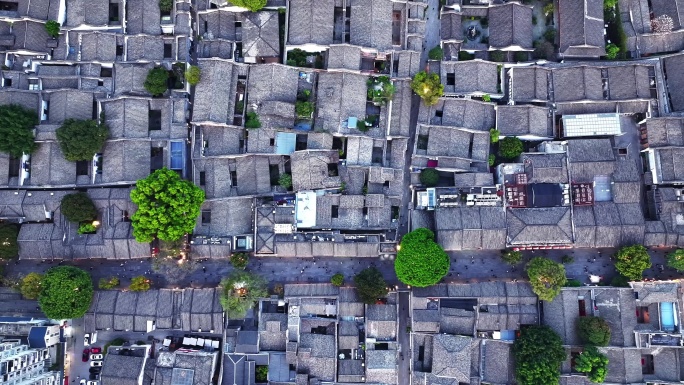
(510, 25)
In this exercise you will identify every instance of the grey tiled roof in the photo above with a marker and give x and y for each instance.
(311, 21)
(371, 23)
(665, 131)
(521, 120)
(529, 83)
(218, 24)
(675, 80)
(581, 28)
(98, 46)
(69, 104)
(340, 96)
(130, 77)
(510, 25)
(120, 369)
(451, 357)
(310, 169)
(95, 13)
(228, 217)
(260, 34)
(470, 228)
(275, 82)
(528, 226)
(470, 76)
(143, 16)
(344, 56)
(450, 26)
(215, 95)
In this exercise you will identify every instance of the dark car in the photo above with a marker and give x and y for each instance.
(93, 376)
(86, 355)
(95, 370)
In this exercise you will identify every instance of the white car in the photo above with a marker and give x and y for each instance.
(95, 363)
(86, 339)
(96, 357)
(83, 382)
(92, 383)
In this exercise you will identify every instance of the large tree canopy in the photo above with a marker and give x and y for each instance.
(239, 291)
(9, 248)
(593, 331)
(428, 87)
(594, 363)
(420, 260)
(632, 261)
(167, 206)
(546, 277)
(67, 293)
(370, 285)
(156, 82)
(81, 139)
(675, 259)
(16, 130)
(538, 355)
(78, 207)
(252, 5)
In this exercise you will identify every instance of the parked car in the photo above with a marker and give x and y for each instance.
(86, 355)
(82, 382)
(86, 339)
(93, 376)
(95, 370)
(95, 350)
(95, 363)
(92, 383)
(95, 357)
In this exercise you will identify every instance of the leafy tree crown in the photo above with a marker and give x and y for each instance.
(67, 293)
(429, 177)
(193, 75)
(538, 355)
(631, 261)
(675, 259)
(16, 130)
(594, 363)
(252, 5)
(428, 87)
(167, 206)
(140, 283)
(420, 260)
(81, 139)
(593, 331)
(31, 285)
(370, 285)
(337, 279)
(78, 207)
(546, 277)
(239, 291)
(52, 28)
(510, 147)
(156, 82)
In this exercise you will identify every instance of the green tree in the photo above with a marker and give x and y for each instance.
(16, 130)
(512, 257)
(429, 177)
(140, 283)
(252, 5)
(437, 53)
(420, 260)
(546, 277)
(78, 207)
(239, 291)
(193, 75)
(428, 87)
(510, 147)
(675, 259)
(631, 261)
(538, 355)
(337, 280)
(261, 374)
(52, 28)
(165, 5)
(370, 285)
(494, 135)
(67, 293)
(285, 181)
(81, 139)
(593, 331)
(612, 51)
(31, 285)
(609, 4)
(491, 160)
(167, 206)
(594, 363)
(304, 109)
(157, 81)
(108, 283)
(239, 260)
(86, 228)
(548, 9)
(9, 248)
(497, 56)
(252, 120)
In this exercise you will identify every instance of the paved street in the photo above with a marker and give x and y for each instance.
(470, 266)
(403, 311)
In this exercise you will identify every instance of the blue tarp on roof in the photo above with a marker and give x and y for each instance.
(36, 337)
(285, 143)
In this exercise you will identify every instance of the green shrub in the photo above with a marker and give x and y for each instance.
(521, 56)
(108, 283)
(491, 160)
(497, 56)
(165, 5)
(193, 75)
(52, 28)
(362, 126)
(429, 177)
(78, 207)
(157, 80)
(534, 20)
(494, 135)
(140, 283)
(252, 5)
(252, 120)
(239, 260)
(304, 109)
(619, 281)
(86, 228)
(675, 259)
(573, 283)
(612, 51)
(463, 56)
(512, 257)
(550, 35)
(9, 248)
(486, 98)
(594, 331)
(285, 181)
(337, 280)
(437, 53)
(548, 9)
(510, 147)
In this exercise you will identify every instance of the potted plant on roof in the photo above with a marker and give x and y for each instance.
(380, 90)
(52, 28)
